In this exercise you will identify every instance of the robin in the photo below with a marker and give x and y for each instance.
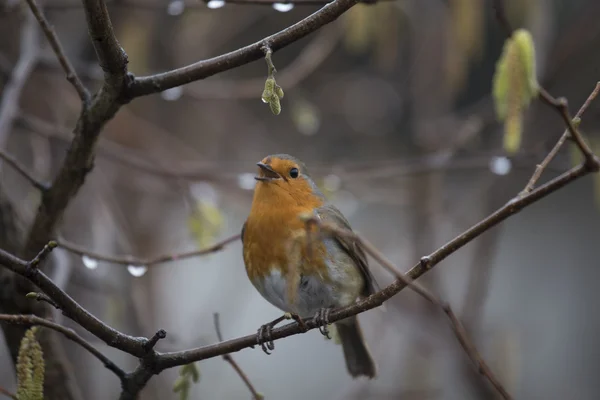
(315, 277)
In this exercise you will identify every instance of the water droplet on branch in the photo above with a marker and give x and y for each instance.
(214, 4)
(89, 262)
(172, 94)
(283, 7)
(137, 270)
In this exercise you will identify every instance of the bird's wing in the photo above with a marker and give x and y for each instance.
(330, 214)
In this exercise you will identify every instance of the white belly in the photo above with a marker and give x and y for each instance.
(311, 294)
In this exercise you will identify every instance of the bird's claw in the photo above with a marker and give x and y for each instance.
(322, 321)
(263, 338)
(298, 319)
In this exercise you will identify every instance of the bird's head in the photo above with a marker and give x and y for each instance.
(283, 178)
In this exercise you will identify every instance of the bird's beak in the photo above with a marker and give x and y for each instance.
(268, 174)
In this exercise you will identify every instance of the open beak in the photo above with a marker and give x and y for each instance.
(268, 174)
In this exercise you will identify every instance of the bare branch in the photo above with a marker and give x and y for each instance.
(198, 5)
(80, 156)
(172, 359)
(307, 61)
(160, 334)
(559, 104)
(228, 358)
(203, 69)
(11, 92)
(562, 107)
(111, 56)
(127, 260)
(457, 326)
(123, 155)
(8, 394)
(69, 307)
(544, 164)
(42, 255)
(10, 160)
(42, 297)
(72, 77)
(70, 334)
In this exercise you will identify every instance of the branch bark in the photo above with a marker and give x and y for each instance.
(9, 104)
(172, 359)
(203, 69)
(31, 320)
(93, 117)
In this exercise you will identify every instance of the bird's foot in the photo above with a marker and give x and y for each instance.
(322, 320)
(263, 337)
(298, 319)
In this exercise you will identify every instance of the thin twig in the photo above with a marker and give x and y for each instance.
(198, 5)
(8, 394)
(168, 360)
(42, 297)
(228, 358)
(559, 104)
(10, 160)
(68, 333)
(161, 361)
(72, 309)
(127, 260)
(269, 59)
(457, 327)
(160, 334)
(296, 71)
(11, 92)
(42, 254)
(72, 77)
(562, 107)
(539, 169)
(203, 69)
(92, 118)
(125, 156)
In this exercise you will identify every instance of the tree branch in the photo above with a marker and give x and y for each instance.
(228, 358)
(172, 359)
(10, 160)
(199, 5)
(539, 169)
(127, 260)
(11, 92)
(80, 156)
(457, 326)
(72, 77)
(69, 307)
(70, 334)
(307, 61)
(8, 394)
(559, 104)
(152, 362)
(203, 69)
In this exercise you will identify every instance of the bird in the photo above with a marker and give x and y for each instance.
(314, 279)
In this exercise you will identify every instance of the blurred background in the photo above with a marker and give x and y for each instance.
(390, 108)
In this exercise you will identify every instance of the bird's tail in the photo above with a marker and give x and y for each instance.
(358, 358)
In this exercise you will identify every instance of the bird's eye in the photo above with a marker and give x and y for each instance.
(294, 173)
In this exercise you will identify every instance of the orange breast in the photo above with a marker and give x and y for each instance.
(277, 238)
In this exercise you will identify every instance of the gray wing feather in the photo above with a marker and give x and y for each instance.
(330, 214)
